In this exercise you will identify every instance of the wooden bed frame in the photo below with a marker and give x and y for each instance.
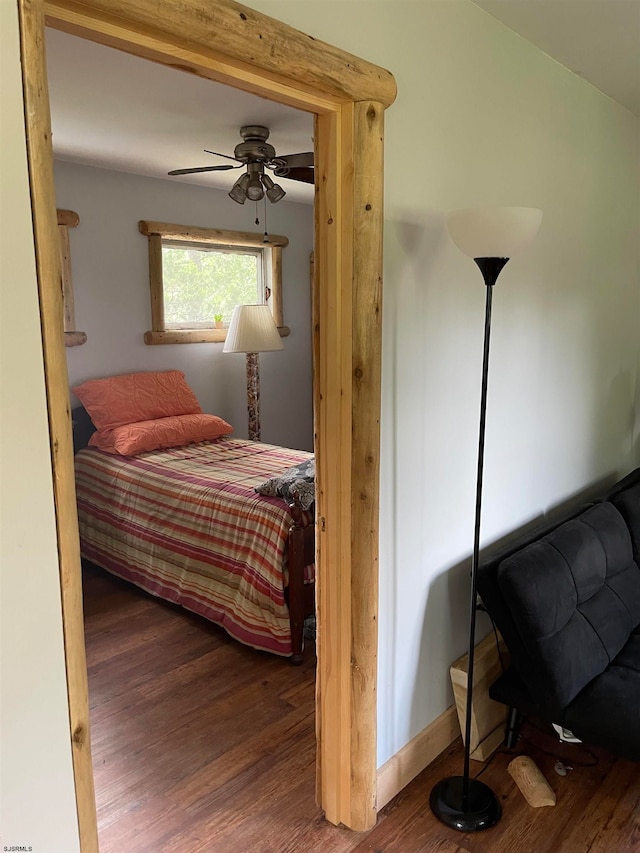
(300, 596)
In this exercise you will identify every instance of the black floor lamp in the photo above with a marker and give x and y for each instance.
(490, 236)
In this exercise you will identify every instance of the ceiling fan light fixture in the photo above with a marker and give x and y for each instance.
(274, 191)
(255, 190)
(238, 191)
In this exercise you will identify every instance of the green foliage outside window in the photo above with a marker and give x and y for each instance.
(200, 283)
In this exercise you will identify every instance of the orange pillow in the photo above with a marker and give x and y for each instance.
(135, 397)
(176, 431)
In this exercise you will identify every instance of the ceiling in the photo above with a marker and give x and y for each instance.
(598, 40)
(115, 111)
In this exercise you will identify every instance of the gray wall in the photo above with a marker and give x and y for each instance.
(111, 288)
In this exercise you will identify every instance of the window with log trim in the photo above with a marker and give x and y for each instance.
(198, 275)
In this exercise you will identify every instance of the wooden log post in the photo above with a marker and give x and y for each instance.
(50, 296)
(366, 317)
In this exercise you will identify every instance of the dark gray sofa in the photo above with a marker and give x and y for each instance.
(567, 603)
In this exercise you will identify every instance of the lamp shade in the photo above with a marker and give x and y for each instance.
(493, 232)
(252, 329)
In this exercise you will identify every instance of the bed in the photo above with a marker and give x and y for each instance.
(186, 523)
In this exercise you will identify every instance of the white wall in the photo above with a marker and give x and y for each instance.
(38, 798)
(484, 118)
(109, 260)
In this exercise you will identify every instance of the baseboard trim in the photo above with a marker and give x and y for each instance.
(405, 765)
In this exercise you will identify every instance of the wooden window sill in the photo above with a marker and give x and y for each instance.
(195, 336)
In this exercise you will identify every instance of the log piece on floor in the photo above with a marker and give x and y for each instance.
(532, 784)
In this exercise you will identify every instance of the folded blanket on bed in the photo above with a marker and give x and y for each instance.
(295, 484)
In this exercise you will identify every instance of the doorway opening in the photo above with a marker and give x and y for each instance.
(168, 687)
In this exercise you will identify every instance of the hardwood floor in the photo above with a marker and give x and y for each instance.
(201, 744)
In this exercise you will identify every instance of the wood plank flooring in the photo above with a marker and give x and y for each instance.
(200, 744)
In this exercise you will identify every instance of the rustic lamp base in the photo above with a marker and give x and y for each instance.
(253, 396)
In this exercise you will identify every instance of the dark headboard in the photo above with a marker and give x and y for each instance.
(83, 428)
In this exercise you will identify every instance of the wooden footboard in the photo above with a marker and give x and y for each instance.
(300, 596)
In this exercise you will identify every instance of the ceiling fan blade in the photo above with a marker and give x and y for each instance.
(294, 161)
(297, 167)
(303, 174)
(202, 169)
(227, 156)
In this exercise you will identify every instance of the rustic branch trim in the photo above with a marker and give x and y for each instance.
(195, 336)
(275, 299)
(67, 282)
(247, 47)
(156, 283)
(75, 339)
(68, 219)
(214, 236)
(50, 296)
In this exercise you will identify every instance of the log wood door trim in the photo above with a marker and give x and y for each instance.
(232, 44)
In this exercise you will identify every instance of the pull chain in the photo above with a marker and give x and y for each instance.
(265, 239)
(257, 220)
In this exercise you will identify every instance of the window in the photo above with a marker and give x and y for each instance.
(202, 283)
(198, 275)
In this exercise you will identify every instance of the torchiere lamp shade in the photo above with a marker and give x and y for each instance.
(493, 232)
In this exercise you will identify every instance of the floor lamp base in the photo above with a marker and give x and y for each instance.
(482, 811)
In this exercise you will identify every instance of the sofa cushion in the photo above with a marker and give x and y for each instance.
(501, 614)
(606, 712)
(627, 502)
(576, 593)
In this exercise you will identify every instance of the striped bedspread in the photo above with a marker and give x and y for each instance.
(185, 524)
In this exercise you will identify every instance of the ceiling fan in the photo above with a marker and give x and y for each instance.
(256, 154)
